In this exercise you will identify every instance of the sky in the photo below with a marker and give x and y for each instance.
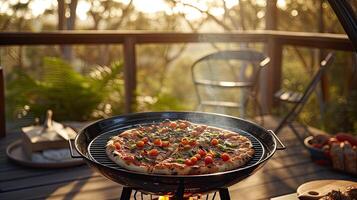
(37, 7)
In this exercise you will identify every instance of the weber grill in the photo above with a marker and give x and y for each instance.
(91, 141)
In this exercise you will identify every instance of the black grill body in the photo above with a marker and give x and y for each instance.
(90, 143)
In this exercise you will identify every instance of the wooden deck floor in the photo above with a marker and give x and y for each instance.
(281, 175)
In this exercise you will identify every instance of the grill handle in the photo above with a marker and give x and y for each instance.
(71, 150)
(282, 146)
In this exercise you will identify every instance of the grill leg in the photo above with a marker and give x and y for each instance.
(180, 192)
(126, 193)
(224, 194)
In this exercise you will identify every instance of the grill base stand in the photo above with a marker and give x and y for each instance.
(179, 195)
(126, 193)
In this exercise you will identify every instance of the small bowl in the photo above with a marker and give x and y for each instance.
(318, 155)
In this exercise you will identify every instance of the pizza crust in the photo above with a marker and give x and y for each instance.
(123, 164)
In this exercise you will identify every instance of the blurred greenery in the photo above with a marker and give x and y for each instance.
(71, 95)
(85, 82)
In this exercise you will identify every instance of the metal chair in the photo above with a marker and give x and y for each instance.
(219, 75)
(299, 99)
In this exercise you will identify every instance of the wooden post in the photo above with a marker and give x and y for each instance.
(2, 105)
(271, 75)
(271, 22)
(129, 74)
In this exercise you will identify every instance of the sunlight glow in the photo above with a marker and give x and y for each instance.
(83, 8)
(294, 13)
(38, 7)
(151, 6)
(189, 12)
(281, 4)
(231, 3)
(4, 7)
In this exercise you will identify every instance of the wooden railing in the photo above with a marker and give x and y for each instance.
(274, 40)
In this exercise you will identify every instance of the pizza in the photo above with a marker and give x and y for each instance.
(179, 147)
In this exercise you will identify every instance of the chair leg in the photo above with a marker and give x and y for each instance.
(2, 104)
(257, 106)
(260, 110)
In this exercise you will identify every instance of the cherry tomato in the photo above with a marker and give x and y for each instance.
(193, 160)
(182, 125)
(173, 125)
(198, 156)
(166, 123)
(188, 162)
(192, 142)
(208, 160)
(157, 142)
(214, 142)
(165, 143)
(117, 145)
(153, 152)
(184, 141)
(210, 154)
(145, 140)
(346, 137)
(140, 144)
(202, 152)
(129, 158)
(225, 157)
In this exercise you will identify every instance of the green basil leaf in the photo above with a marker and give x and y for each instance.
(180, 160)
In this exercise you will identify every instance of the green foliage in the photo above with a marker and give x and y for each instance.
(343, 114)
(69, 94)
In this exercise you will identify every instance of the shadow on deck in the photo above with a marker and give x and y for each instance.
(281, 175)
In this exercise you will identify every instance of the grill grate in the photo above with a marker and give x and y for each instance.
(96, 149)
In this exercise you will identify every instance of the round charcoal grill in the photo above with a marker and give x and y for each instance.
(90, 144)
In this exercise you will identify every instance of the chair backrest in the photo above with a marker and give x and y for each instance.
(212, 63)
(249, 56)
(307, 93)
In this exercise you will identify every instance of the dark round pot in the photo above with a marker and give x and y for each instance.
(318, 155)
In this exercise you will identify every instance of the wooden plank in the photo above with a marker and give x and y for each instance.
(85, 184)
(112, 192)
(24, 173)
(282, 186)
(118, 37)
(316, 40)
(267, 176)
(129, 74)
(2, 105)
(47, 179)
